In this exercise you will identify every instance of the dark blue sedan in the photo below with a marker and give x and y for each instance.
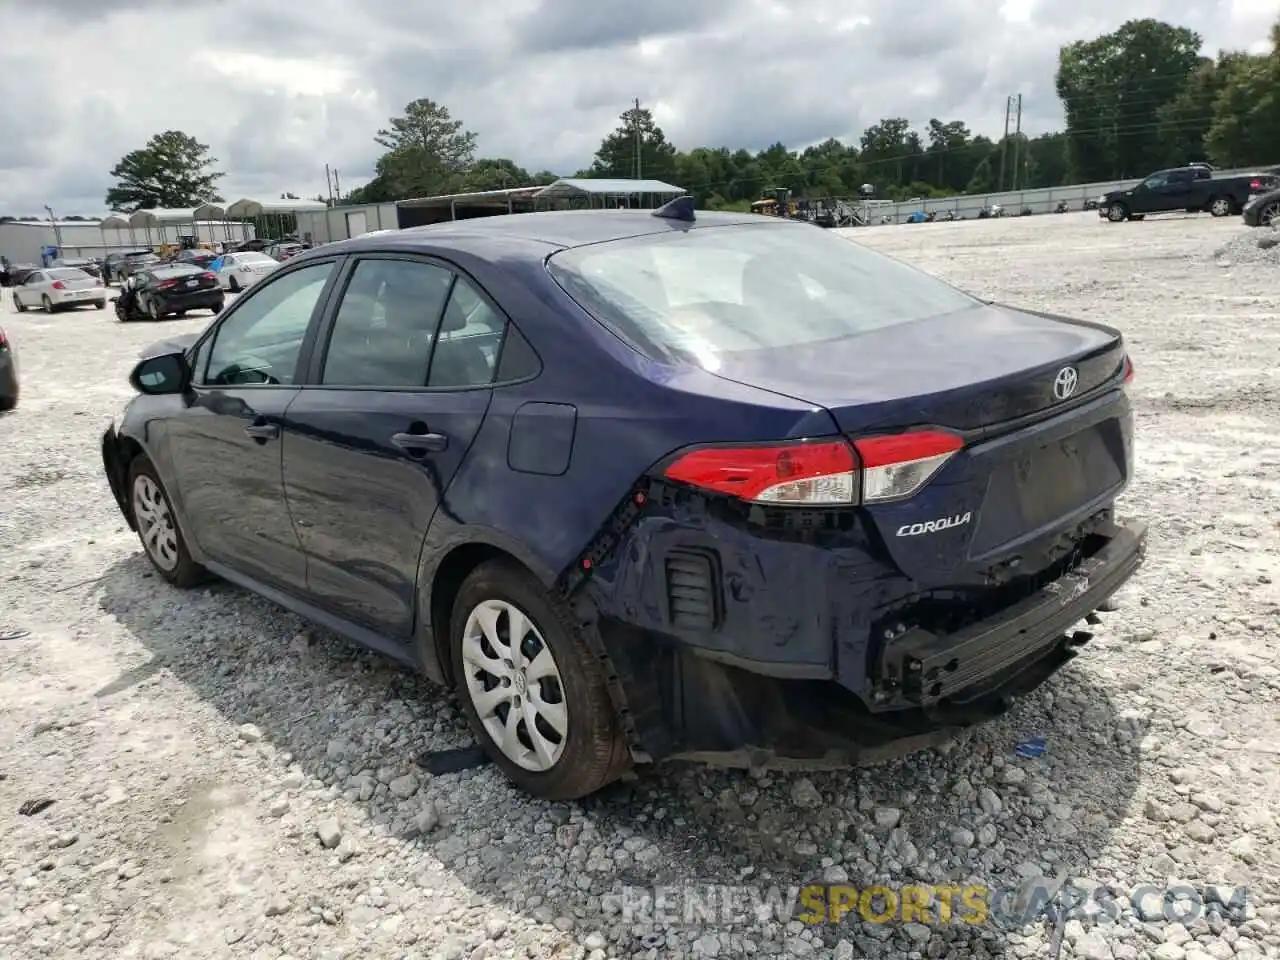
(641, 486)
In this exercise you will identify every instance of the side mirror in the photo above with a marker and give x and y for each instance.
(167, 373)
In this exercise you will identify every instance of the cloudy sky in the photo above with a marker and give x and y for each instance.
(280, 89)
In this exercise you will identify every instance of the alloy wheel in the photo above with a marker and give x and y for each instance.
(1269, 216)
(1220, 207)
(155, 522)
(514, 685)
(1115, 213)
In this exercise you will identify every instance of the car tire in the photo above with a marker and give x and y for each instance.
(19, 305)
(157, 526)
(1220, 206)
(217, 307)
(46, 304)
(152, 311)
(1269, 215)
(233, 285)
(8, 403)
(1117, 213)
(99, 304)
(589, 752)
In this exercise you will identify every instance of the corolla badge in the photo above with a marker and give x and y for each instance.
(934, 526)
(1064, 384)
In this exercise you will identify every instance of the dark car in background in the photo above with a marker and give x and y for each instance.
(284, 251)
(18, 273)
(174, 288)
(127, 263)
(648, 486)
(90, 267)
(1192, 189)
(8, 373)
(1263, 209)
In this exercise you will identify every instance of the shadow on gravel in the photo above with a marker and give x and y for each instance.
(974, 812)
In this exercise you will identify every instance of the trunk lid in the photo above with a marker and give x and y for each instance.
(1036, 463)
(968, 370)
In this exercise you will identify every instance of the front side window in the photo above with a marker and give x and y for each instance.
(383, 331)
(259, 342)
(691, 296)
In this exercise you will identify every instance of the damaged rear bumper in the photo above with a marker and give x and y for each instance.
(923, 687)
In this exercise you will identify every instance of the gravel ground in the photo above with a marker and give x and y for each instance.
(228, 783)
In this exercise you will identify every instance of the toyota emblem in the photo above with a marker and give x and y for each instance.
(1064, 384)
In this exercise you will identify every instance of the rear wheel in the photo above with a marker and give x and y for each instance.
(1117, 212)
(46, 304)
(152, 310)
(530, 686)
(217, 307)
(158, 527)
(99, 304)
(1220, 206)
(233, 285)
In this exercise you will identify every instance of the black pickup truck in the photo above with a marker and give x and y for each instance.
(1192, 189)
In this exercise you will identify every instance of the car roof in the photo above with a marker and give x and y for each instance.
(559, 228)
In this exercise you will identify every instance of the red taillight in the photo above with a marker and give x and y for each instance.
(896, 466)
(207, 275)
(1128, 369)
(4, 341)
(1255, 184)
(166, 284)
(819, 473)
(59, 285)
(813, 472)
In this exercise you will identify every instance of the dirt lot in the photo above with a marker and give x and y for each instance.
(227, 783)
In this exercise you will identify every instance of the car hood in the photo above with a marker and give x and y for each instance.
(160, 348)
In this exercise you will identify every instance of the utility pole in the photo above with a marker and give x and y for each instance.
(1004, 141)
(1017, 146)
(328, 180)
(635, 127)
(337, 186)
(57, 232)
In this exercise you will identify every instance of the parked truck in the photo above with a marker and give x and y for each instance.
(1191, 189)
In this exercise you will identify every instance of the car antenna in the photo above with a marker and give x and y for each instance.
(681, 208)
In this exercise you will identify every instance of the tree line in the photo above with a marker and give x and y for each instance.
(1135, 100)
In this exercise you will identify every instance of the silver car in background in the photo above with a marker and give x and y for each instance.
(59, 288)
(240, 270)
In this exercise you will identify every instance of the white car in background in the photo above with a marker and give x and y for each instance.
(59, 288)
(240, 270)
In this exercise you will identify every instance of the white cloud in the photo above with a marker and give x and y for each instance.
(278, 90)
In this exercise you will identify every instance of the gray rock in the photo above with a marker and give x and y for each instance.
(330, 833)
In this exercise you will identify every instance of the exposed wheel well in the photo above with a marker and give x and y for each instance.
(455, 568)
(129, 450)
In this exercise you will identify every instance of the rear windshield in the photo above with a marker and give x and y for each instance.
(177, 270)
(692, 295)
(253, 258)
(68, 273)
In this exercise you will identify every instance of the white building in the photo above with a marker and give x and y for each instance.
(24, 241)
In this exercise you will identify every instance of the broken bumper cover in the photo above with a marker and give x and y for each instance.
(935, 685)
(919, 668)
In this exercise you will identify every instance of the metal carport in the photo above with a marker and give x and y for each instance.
(578, 191)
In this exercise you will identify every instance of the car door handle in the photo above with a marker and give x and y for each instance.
(263, 431)
(420, 442)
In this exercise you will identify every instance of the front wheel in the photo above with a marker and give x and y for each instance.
(533, 691)
(217, 307)
(1117, 212)
(158, 527)
(99, 304)
(19, 305)
(1269, 215)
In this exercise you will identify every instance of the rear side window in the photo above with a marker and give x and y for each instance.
(382, 334)
(470, 340)
(68, 273)
(694, 295)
